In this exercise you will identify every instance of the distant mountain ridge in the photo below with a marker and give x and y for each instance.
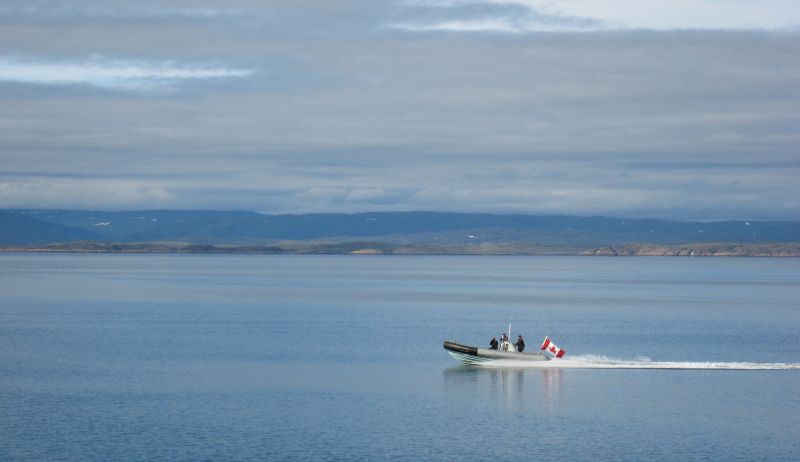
(23, 229)
(43, 227)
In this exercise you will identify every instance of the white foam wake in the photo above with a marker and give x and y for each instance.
(604, 362)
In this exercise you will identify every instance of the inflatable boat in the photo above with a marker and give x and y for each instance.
(502, 351)
(473, 355)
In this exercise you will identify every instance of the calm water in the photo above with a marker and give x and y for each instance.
(206, 357)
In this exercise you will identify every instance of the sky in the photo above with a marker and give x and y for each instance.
(677, 109)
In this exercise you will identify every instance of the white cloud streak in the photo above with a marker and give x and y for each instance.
(604, 15)
(115, 74)
(487, 25)
(680, 14)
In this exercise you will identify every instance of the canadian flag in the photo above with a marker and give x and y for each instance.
(547, 345)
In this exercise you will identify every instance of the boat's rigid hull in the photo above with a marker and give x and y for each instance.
(474, 355)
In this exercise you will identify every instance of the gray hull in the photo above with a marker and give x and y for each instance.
(474, 355)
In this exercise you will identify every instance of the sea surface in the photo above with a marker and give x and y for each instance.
(265, 357)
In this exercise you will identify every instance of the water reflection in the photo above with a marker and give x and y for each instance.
(509, 389)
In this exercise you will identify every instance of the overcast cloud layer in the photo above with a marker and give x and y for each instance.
(674, 109)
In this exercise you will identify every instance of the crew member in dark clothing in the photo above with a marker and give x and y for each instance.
(493, 344)
(520, 344)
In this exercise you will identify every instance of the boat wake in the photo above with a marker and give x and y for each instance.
(604, 362)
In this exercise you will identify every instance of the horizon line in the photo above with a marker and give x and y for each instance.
(367, 212)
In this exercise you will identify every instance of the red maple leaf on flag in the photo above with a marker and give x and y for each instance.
(552, 349)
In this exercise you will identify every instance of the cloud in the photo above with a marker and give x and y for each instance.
(524, 16)
(314, 105)
(488, 16)
(118, 74)
(622, 184)
(89, 192)
(683, 14)
(486, 25)
(144, 10)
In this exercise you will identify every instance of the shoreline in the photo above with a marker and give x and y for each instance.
(775, 250)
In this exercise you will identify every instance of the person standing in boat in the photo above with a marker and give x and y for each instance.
(520, 344)
(504, 346)
(493, 344)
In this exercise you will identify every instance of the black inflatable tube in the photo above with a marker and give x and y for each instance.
(460, 348)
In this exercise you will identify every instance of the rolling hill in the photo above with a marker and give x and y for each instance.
(421, 230)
